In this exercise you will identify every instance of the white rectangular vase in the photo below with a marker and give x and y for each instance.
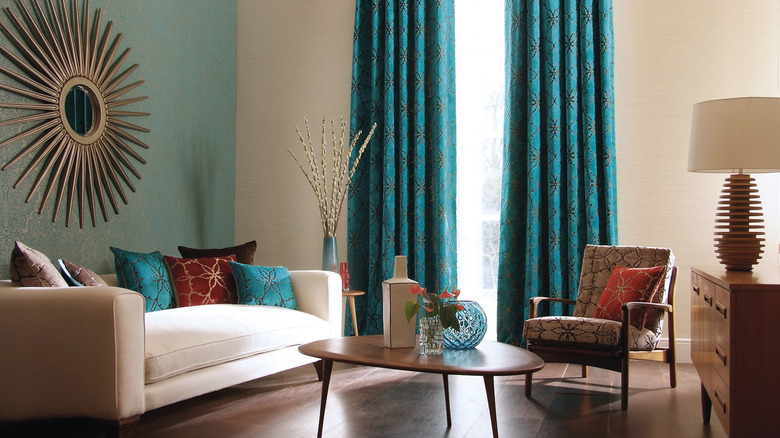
(395, 294)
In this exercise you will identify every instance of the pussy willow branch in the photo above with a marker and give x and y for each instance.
(330, 194)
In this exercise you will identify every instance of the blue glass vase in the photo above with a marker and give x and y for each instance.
(473, 326)
(330, 256)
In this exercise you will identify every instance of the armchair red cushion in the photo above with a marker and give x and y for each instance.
(626, 285)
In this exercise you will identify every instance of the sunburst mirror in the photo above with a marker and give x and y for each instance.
(69, 88)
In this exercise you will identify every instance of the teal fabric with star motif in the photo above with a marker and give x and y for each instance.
(402, 198)
(559, 178)
(263, 285)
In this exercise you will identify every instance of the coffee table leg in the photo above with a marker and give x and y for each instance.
(447, 398)
(491, 398)
(327, 367)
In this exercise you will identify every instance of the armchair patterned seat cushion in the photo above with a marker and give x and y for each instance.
(582, 329)
(599, 334)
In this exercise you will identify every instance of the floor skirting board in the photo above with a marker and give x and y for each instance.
(683, 349)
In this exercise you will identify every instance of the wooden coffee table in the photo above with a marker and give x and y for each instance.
(488, 360)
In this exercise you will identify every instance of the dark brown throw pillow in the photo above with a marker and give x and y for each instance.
(31, 268)
(244, 253)
(78, 275)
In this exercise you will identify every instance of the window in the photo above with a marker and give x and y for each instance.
(479, 54)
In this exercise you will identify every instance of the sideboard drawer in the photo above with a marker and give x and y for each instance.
(721, 327)
(720, 400)
(702, 340)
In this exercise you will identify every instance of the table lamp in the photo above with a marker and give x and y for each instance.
(739, 136)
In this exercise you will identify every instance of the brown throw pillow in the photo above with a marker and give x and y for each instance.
(244, 253)
(31, 268)
(78, 275)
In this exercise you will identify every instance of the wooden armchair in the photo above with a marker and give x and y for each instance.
(608, 343)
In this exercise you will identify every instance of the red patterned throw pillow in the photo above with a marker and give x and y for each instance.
(202, 281)
(626, 285)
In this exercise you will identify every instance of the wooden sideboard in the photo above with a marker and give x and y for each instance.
(734, 347)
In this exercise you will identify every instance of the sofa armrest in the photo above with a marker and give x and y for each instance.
(71, 352)
(319, 293)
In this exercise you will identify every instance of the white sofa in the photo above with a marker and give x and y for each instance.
(93, 352)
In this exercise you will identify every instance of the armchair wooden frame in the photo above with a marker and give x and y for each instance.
(615, 360)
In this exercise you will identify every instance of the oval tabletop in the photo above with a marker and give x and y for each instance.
(488, 359)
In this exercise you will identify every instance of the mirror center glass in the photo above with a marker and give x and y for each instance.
(78, 110)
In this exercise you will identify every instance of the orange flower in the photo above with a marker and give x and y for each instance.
(460, 306)
(416, 289)
(456, 293)
(446, 294)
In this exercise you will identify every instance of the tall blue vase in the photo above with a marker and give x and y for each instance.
(330, 255)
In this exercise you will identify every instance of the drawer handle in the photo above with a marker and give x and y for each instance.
(696, 289)
(720, 308)
(708, 299)
(720, 402)
(721, 355)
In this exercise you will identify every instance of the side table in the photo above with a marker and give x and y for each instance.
(351, 294)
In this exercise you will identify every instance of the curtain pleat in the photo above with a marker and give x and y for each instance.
(559, 178)
(402, 199)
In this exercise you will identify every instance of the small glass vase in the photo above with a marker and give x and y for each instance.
(431, 336)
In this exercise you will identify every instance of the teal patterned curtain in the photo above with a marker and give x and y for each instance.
(559, 190)
(402, 199)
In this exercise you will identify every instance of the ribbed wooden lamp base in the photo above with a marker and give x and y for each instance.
(738, 244)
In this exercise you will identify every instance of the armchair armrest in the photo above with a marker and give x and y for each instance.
(534, 302)
(626, 310)
(627, 307)
(71, 352)
(665, 307)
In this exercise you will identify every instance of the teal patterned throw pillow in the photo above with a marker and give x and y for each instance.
(147, 275)
(263, 286)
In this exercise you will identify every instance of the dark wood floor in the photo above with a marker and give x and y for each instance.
(371, 402)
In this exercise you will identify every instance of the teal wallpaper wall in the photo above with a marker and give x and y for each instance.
(186, 51)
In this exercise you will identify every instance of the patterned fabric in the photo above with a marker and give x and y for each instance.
(599, 334)
(583, 328)
(147, 275)
(597, 265)
(626, 285)
(207, 280)
(76, 275)
(260, 285)
(31, 268)
(558, 191)
(402, 199)
(245, 253)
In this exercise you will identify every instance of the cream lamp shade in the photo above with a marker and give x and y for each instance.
(737, 136)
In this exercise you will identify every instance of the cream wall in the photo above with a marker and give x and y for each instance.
(670, 54)
(294, 61)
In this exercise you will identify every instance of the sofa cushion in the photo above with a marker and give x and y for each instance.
(189, 338)
(208, 280)
(77, 275)
(31, 268)
(263, 285)
(245, 253)
(146, 274)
